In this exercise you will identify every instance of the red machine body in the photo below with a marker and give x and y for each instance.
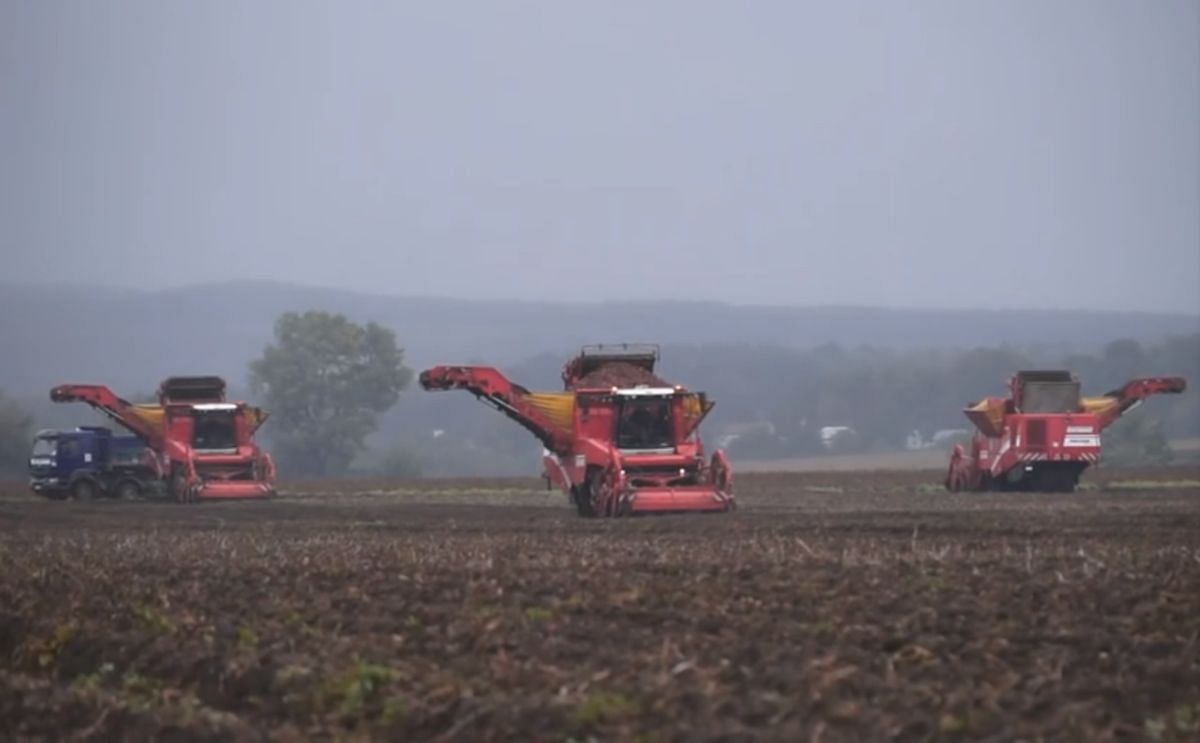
(203, 444)
(616, 449)
(1045, 434)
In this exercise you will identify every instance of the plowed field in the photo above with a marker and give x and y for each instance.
(841, 606)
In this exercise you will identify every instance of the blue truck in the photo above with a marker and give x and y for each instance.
(91, 462)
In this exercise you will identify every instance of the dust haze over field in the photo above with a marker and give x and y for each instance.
(937, 155)
(861, 215)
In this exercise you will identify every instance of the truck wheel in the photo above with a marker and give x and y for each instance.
(83, 490)
(128, 490)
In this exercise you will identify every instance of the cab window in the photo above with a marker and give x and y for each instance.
(645, 424)
(214, 431)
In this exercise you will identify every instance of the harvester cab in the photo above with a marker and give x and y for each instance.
(214, 423)
(644, 420)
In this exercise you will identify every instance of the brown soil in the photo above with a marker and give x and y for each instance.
(846, 606)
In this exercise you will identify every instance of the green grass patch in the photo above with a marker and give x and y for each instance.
(45, 651)
(604, 706)
(247, 638)
(154, 619)
(359, 692)
(539, 614)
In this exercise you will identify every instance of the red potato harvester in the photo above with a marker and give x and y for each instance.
(1045, 434)
(618, 440)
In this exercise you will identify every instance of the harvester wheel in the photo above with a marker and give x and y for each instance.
(180, 490)
(582, 499)
(83, 490)
(603, 496)
(720, 475)
(128, 490)
(958, 476)
(594, 497)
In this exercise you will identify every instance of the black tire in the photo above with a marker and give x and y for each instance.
(128, 490)
(84, 489)
(582, 498)
(595, 480)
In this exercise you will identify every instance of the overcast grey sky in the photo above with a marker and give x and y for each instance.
(1015, 153)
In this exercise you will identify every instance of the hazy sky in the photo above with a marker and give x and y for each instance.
(1041, 153)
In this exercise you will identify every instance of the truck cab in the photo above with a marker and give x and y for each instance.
(88, 462)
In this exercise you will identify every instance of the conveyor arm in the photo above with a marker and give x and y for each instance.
(492, 387)
(1112, 405)
(106, 401)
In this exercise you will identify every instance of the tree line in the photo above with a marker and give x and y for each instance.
(332, 388)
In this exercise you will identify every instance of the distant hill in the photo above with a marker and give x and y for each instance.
(131, 339)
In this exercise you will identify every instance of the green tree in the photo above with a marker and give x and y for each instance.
(16, 434)
(325, 381)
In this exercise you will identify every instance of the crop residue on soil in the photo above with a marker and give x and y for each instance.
(845, 607)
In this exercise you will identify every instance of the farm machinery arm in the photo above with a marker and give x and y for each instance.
(1112, 405)
(108, 402)
(490, 386)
